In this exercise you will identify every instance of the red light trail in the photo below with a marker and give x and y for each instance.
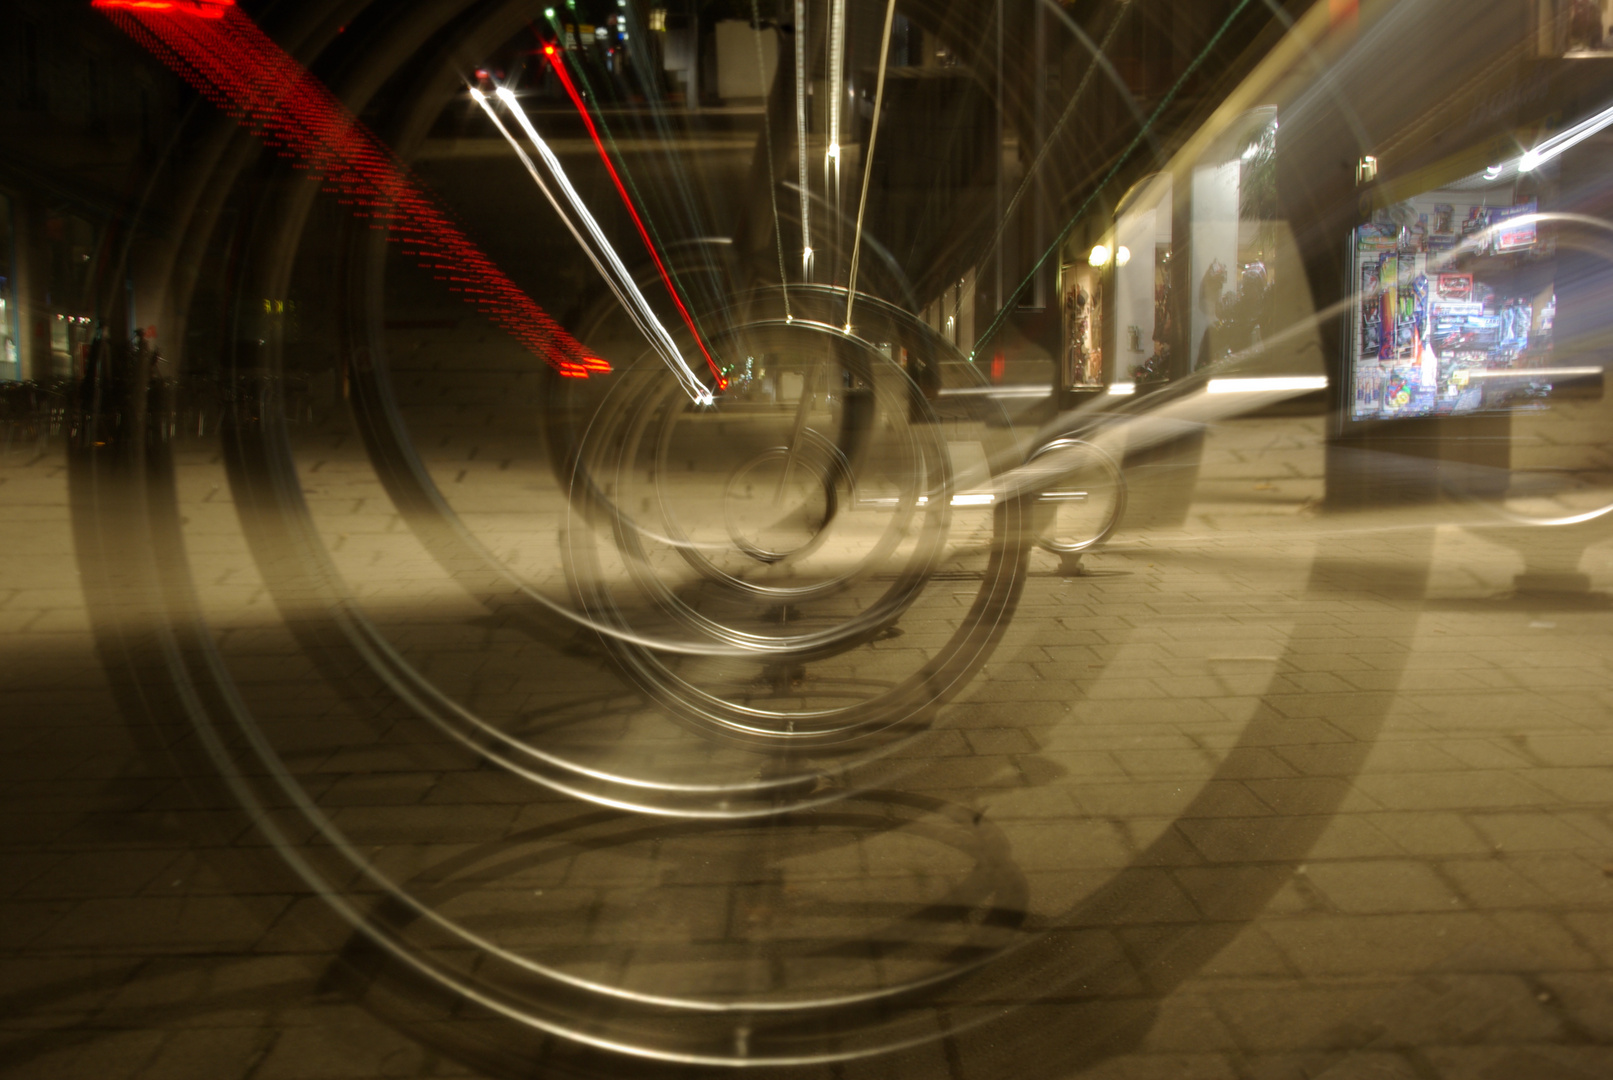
(203, 9)
(232, 63)
(556, 59)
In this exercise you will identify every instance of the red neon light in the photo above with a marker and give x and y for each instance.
(237, 67)
(621, 189)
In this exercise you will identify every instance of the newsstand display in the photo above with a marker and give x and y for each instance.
(1455, 302)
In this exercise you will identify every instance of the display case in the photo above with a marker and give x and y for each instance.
(1081, 308)
(1455, 302)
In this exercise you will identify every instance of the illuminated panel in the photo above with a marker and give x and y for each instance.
(644, 234)
(232, 63)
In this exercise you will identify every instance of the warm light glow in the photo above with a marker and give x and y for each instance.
(1122, 255)
(1120, 389)
(834, 151)
(1099, 256)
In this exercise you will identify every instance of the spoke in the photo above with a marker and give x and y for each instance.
(837, 66)
(555, 57)
(677, 168)
(600, 252)
(801, 136)
(767, 136)
(868, 159)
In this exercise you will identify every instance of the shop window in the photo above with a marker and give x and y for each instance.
(1233, 220)
(1455, 300)
(1143, 309)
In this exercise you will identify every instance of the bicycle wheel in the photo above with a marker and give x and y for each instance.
(1082, 499)
(837, 528)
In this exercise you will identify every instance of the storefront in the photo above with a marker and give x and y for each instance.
(1189, 275)
(1178, 282)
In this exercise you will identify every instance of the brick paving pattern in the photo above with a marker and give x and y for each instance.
(1308, 795)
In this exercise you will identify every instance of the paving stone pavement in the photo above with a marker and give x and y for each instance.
(1312, 795)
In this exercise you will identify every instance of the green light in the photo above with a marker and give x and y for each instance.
(548, 13)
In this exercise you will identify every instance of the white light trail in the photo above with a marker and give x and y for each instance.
(1279, 384)
(611, 268)
(1561, 141)
(1120, 389)
(801, 136)
(837, 75)
(976, 499)
(868, 159)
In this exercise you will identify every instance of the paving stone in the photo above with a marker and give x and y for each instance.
(1430, 833)
(1529, 832)
(1380, 885)
(1542, 1060)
